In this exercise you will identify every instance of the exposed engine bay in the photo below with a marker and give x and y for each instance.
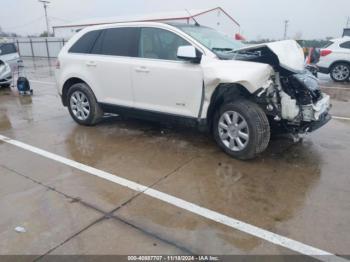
(292, 99)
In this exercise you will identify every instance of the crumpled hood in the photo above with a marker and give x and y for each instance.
(289, 53)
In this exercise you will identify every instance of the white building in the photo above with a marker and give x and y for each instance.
(216, 18)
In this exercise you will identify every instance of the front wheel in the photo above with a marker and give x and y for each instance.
(340, 72)
(241, 129)
(83, 105)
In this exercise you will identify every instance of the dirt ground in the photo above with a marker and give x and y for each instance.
(300, 191)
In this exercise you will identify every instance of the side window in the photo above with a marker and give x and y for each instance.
(118, 42)
(345, 45)
(8, 49)
(160, 44)
(85, 43)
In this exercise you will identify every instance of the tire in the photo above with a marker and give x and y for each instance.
(5, 85)
(340, 72)
(256, 134)
(82, 93)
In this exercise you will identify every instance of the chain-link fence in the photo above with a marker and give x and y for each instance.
(41, 47)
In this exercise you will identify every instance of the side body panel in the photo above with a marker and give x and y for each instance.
(113, 77)
(251, 76)
(173, 87)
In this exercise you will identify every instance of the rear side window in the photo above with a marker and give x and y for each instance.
(345, 45)
(118, 42)
(85, 43)
(7, 49)
(327, 44)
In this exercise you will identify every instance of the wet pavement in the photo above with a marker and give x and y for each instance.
(300, 191)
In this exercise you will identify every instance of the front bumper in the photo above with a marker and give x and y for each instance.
(317, 115)
(323, 120)
(323, 70)
(6, 81)
(313, 112)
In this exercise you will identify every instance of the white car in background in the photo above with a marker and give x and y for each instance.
(335, 59)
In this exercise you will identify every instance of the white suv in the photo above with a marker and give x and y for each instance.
(335, 59)
(193, 75)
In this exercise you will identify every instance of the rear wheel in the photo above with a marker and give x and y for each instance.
(83, 105)
(340, 72)
(241, 129)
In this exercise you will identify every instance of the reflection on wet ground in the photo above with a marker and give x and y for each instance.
(298, 190)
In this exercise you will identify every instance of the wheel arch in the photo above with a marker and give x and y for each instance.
(225, 93)
(67, 85)
(338, 62)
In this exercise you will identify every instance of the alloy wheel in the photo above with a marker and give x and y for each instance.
(233, 131)
(80, 105)
(340, 72)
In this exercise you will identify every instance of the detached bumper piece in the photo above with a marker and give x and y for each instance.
(323, 120)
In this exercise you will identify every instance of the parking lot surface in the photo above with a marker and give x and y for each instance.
(295, 190)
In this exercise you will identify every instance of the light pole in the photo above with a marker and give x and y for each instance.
(45, 4)
(286, 22)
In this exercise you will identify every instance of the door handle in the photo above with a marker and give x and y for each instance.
(142, 69)
(91, 64)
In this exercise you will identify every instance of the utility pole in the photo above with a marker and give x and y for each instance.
(348, 22)
(286, 23)
(45, 4)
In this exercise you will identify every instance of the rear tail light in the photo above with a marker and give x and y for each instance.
(325, 52)
(58, 65)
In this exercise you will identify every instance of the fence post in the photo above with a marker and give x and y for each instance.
(47, 48)
(19, 51)
(31, 47)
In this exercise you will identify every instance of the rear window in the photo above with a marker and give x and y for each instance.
(327, 44)
(345, 45)
(7, 49)
(85, 43)
(118, 42)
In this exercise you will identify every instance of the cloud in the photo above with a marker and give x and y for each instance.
(314, 19)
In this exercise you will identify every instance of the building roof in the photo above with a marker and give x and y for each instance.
(164, 16)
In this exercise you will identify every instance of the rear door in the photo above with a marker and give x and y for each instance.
(9, 54)
(110, 64)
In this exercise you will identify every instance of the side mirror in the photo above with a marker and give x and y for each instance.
(188, 53)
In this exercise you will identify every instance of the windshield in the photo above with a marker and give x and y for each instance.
(211, 38)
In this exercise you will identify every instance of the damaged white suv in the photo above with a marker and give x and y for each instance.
(193, 75)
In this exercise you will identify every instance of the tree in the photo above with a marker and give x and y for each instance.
(298, 35)
(44, 34)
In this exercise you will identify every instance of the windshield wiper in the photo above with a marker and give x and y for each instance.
(222, 49)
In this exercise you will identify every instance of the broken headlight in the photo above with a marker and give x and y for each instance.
(306, 88)
(308, 81)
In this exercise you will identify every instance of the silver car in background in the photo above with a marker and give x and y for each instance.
(9, 54)
(9, 58)
(5, 74)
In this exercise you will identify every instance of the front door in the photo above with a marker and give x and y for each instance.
(162, 82)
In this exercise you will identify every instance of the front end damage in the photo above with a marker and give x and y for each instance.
(293, 100)
(295, 103)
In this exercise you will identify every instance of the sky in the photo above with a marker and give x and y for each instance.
(311, 19)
